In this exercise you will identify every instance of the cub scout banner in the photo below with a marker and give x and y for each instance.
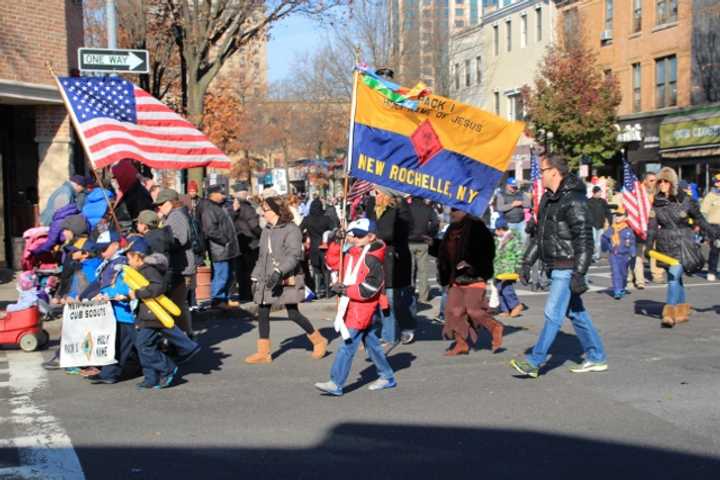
(445, 151)
(88, 335)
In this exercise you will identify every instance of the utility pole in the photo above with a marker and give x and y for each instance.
(111, 22)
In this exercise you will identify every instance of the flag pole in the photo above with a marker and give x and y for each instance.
(348, 157)
(76, 124)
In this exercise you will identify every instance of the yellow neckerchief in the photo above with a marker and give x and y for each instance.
(617, 228)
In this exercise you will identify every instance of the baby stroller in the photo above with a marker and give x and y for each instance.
(44, 262)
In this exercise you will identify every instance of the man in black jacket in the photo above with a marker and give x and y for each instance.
(423, 228)
(222, 243)
(247, 226)
(565, 244)
(599, 212)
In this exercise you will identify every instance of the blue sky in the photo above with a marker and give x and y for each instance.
(289, 38)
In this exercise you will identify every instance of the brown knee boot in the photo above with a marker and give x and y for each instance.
(496, 330)
(263, 353)
(460, 348)
(668, 316)
(682, 313)
(319, 344)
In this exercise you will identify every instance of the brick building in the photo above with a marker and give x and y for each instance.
(651, 47)
(36, 144)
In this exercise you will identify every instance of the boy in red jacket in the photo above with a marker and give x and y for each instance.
(361, 290)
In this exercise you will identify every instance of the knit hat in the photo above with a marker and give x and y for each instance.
(77, 224)
(140, 245)
(79, 179)
(166, 195)
(149, 218)
(501, 223)
(192, 186)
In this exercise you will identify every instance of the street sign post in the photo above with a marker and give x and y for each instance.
(113, 60)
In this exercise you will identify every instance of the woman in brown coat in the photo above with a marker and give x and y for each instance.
(278, 279)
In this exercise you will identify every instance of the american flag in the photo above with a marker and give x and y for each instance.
(537, 184)
(358, 189)
(118, 120)
(635, 202)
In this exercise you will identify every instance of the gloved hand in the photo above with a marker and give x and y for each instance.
(273, 280)
(525, 274)
(578, 285)
(340, 234)
(338, 288)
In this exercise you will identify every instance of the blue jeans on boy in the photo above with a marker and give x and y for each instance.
(220, 284)
(155, 364)
(562, 302)
(179, 339)
(675, 290)
(619, 269)
(124, 351)
(508, 297)
(344, 357)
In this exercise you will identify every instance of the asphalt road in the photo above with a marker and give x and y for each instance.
(655, 414)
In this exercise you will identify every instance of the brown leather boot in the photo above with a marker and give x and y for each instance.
(460, 348)
(263, 353)
(682, 313)
(496, 331)
(668, 316)
(319, 345)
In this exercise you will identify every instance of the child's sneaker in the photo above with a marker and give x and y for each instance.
(165, 382)
(142, 385)
(382, 384)
(329, 388)
(618, 295)
(73, 371)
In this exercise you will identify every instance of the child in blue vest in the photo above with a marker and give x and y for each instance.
(619, 242)
(110, 285)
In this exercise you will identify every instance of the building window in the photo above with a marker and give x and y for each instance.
(508, 39)
(478, 70)
(459, 23)
(538, 24)
(636, 87)
(467, 73)
(637, 16)
(523, 31)
(459, 12)
(516, 109)
(496, 40)
(474, 12)
(666, 82)
(665, 11)
(459, 2)
(609, 16)
(457, 76)
(497, 103)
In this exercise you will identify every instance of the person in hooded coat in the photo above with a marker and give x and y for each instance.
(132, 197)
(96, 205)
(314, 226)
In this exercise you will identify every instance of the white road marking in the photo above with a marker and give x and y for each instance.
(44, 448)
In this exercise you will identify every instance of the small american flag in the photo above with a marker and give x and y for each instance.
(358, 189)
(537, 184)
(118, 120)
(635, 201)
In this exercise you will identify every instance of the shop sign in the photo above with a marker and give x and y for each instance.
(690, 133)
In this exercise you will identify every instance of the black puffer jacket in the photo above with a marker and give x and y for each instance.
(669, 227)
(247, 226)
(564, 234)
(314, 226)
(155, 272)
(393, 228)
(425, 222)
(219, 231)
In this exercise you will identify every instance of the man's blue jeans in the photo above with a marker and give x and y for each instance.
(220, 281)
(676, 289)
(560, 303)
(400, 306)
(344, 357)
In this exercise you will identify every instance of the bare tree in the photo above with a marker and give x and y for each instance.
(706, 51)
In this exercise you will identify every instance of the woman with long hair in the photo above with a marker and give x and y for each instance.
(278, 279)
(672, 233)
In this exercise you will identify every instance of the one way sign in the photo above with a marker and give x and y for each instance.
(113, 60)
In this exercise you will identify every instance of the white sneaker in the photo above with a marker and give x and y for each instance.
(711, 277)
(407, 336)
(588, 366)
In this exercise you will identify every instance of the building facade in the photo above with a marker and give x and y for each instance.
(491, 61)
(653, 48)
(36, 143)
